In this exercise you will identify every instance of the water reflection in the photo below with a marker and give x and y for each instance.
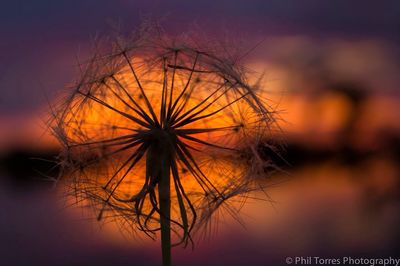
(329, 209)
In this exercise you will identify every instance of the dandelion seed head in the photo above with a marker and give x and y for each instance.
(157, 97)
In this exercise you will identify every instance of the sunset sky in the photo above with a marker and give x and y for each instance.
(41, 39)
(42, 42)
(332, 71)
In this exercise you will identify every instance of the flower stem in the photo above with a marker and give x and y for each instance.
(165, 206)
(158, 165)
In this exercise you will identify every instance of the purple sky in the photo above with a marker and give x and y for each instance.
(40, 39)
(39, 42)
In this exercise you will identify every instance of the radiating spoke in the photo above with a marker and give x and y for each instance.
(194, 118)
(135, 157)
(140, 88)
(178, 119)
(205, 142)
(140, 122)
(171, 112)
(191, 131)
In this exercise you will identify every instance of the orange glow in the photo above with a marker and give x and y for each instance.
(214, 121)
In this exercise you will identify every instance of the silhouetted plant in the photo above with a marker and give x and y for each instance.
(162, 132)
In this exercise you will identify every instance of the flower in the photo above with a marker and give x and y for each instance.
(161, 132)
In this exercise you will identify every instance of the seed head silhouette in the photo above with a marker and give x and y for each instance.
(161, 133)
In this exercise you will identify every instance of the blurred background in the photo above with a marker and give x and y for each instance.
(332, 73)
